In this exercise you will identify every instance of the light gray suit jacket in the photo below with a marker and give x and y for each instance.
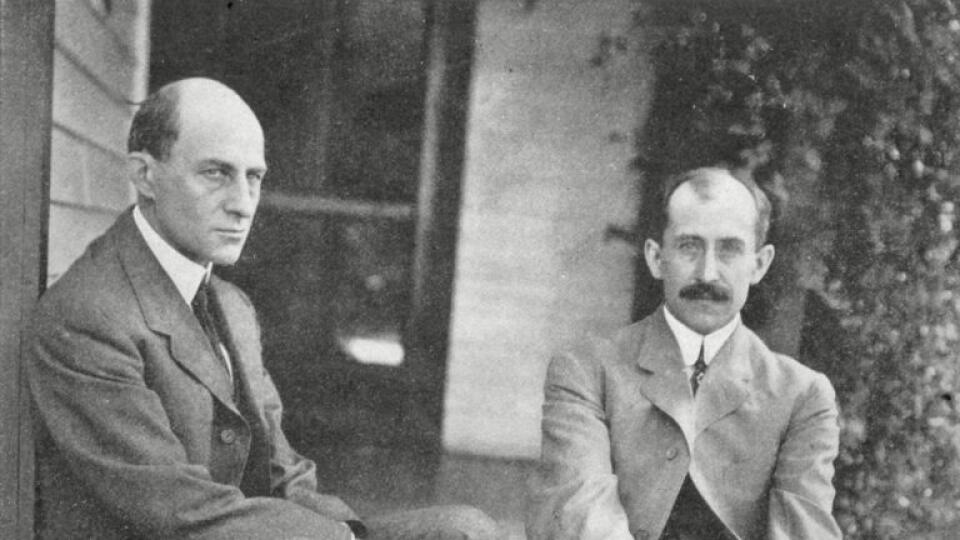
(621, 430)
(138, 432)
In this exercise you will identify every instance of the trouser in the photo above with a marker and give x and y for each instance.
(433, 523)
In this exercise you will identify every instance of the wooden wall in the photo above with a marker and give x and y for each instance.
(26, 43)
(100, 73)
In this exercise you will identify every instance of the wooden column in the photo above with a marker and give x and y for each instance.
(450, 28)
(26, 73)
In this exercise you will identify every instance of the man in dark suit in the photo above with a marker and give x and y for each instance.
(156, 416)
(685, 425)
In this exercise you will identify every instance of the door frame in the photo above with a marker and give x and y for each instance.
(26, 81)
(451, 27)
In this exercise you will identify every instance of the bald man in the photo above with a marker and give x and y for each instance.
(685, 425)
(156, 416)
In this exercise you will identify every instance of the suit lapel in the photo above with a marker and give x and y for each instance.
(663, 381)
(726, 384)
(724, 389)
(242, 339)
(166, 313)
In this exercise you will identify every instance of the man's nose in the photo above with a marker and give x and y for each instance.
(242, 198)
(708, 267)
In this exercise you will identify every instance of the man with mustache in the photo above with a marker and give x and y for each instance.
(157, 418)
(685, 425)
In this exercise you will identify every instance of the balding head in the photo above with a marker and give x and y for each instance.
(706, 182)
(157, 123)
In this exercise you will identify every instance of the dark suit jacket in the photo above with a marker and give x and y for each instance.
(621, 430)
(138, 432)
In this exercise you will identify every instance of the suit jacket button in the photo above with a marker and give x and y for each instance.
(228, 436)
(671, 453)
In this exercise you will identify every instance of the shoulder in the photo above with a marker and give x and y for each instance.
(98, 275)
(596, 355)
(89, 318)
(232, 298)
(94, 287)
(236, 306)
(783, 374)
(228, 292)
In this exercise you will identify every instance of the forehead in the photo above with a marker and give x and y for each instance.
(714, 207)
(223, 130)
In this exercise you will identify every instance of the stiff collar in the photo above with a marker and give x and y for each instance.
(186, 274)
(690, 341)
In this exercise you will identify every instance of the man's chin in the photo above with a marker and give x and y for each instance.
(226, 257)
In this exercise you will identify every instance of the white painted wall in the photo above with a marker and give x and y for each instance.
(549, 142)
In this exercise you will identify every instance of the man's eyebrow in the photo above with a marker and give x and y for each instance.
(732, 241)
(261, 169)
(217, 163)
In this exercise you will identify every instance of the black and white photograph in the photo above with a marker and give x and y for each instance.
(480, 269)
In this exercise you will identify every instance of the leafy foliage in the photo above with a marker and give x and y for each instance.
(851, 119)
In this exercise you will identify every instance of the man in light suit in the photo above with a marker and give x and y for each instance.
(685, 425)
(156, 416)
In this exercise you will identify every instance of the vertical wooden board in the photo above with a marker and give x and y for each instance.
(450, 61)
(26, 51)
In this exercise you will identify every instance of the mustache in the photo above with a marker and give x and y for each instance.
(705, 291)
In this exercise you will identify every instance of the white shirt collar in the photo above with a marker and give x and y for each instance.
(689, 340)
(186, 274)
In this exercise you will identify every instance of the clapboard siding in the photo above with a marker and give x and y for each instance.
(100, 67)
(86, 34)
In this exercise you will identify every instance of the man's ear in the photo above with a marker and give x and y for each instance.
(142, 168)
(651, 252)
(764, 258)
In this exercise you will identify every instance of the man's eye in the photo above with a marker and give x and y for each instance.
(218, 175)
(731, 249)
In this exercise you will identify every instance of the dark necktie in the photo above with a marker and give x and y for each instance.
(699, 369)
(204, 312)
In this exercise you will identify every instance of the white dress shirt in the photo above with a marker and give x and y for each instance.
(690, 341)
(185, 274)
